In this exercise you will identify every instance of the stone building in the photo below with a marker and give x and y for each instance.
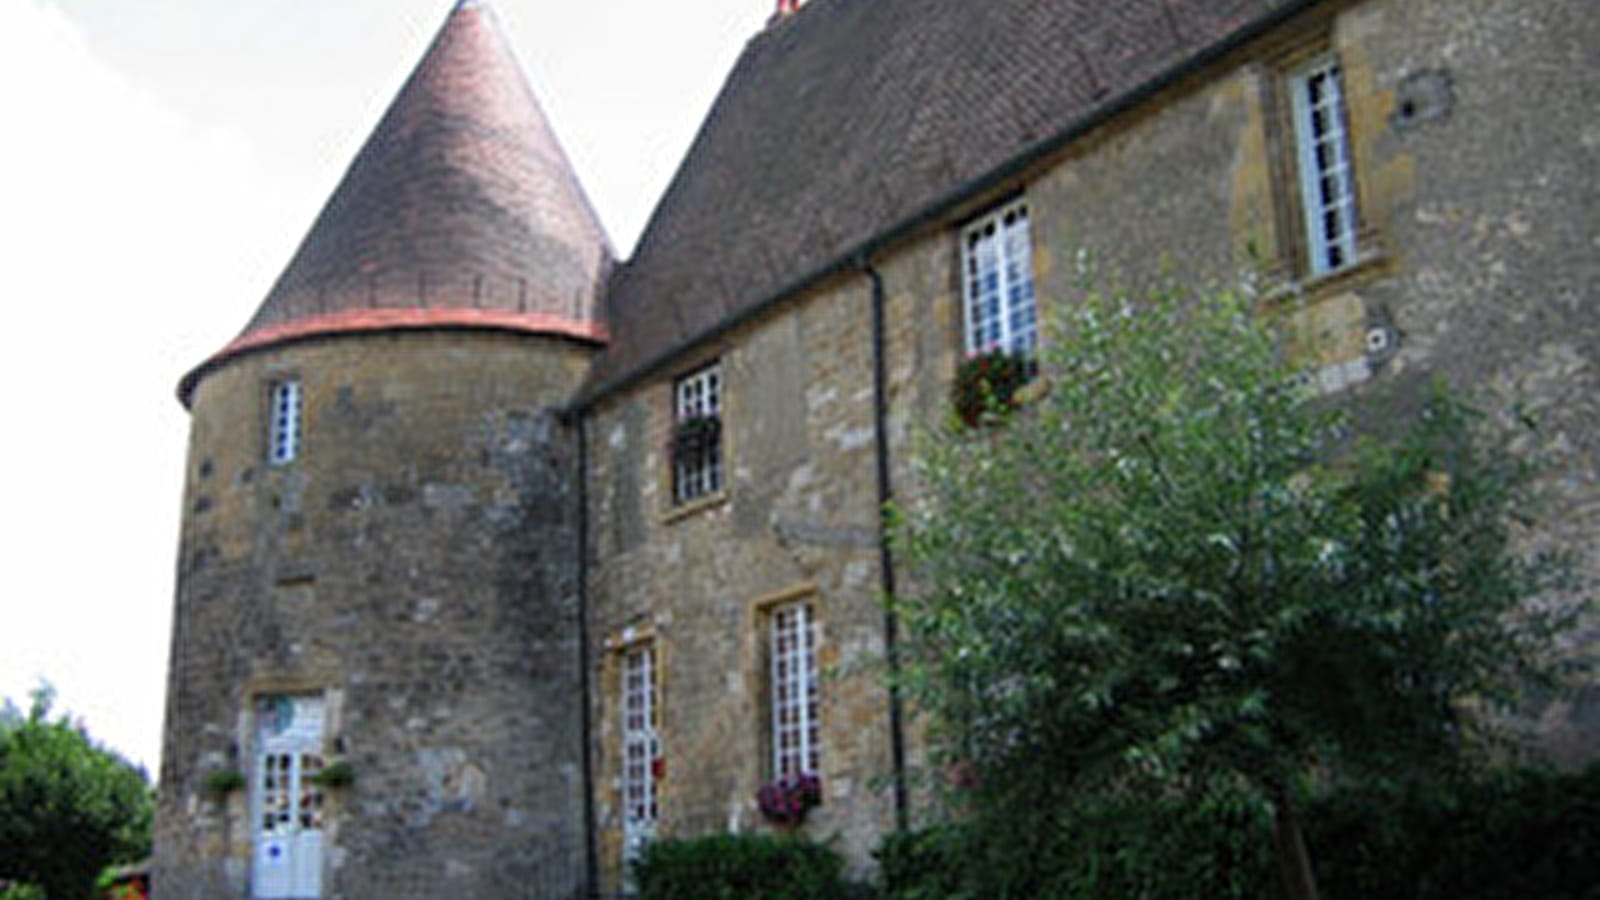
(535, 555)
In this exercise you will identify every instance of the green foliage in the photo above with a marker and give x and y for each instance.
(1216, 846)
(222, 782)
(68, 807)
(740, 867)
(1179, 574)
(1501, 836)
(22, 892)
(337, 775)
(936, 863)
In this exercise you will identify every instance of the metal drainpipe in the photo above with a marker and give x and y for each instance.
(891, 623)
(591, 856)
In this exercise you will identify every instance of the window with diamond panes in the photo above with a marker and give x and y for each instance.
(697, 434)
(283, 429)
(641, 745)
(997, 283)
(1327, 183)
(796, 691)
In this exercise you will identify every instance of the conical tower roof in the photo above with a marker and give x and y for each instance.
(461, 211)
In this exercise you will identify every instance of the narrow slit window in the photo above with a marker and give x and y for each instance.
(1327, 183)
(283, 431)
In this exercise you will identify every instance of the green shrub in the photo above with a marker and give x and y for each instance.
(20, 891)
(1503, 836)
(930, 864)
(1500, 836)
(1217, 848)
(740, 867)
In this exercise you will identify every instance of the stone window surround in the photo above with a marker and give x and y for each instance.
(1324, 163)
(639, 704)
(792, 634)
(1292, 273)
(618, 642)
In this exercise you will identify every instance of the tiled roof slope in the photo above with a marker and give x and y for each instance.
(851, 116)
(460, 211)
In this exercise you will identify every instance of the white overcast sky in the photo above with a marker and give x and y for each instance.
(159, 162)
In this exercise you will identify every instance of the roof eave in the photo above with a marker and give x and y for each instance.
(375, 321)
(952, 201)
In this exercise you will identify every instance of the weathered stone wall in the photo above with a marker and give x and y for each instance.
(1480, 166)
(1478, 254)
(797, 520)
(416, 566)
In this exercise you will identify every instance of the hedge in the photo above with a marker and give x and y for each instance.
(1503, 836)
(740, 867)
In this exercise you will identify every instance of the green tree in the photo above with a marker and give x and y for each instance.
(1177, 571)
(68, 807)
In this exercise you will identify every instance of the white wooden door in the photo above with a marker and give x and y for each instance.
(286, 802)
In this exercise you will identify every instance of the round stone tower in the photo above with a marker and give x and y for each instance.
(375, 686)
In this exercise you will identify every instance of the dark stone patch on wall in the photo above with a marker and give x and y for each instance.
(770, 418)
(399, 494)
(628, 529)
(1422, 97)
(817, 535)
(350, 411)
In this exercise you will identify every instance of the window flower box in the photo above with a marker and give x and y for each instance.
(221, 783)
(692, 435)
(990, 382)
(335, 775)
(787, 799)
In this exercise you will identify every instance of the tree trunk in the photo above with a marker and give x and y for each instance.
(1294, 863)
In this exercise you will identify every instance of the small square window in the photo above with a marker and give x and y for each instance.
(283, 426)
(697, 469)
(997, 283)
(1327, 178)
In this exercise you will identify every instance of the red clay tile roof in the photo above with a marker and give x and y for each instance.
(460, 211)
(851, 118)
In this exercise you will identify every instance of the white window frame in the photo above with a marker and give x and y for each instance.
(999, 309)
(1327, 176)
(796, 690)
(641, 746)
(283, 423)
(696, 395)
